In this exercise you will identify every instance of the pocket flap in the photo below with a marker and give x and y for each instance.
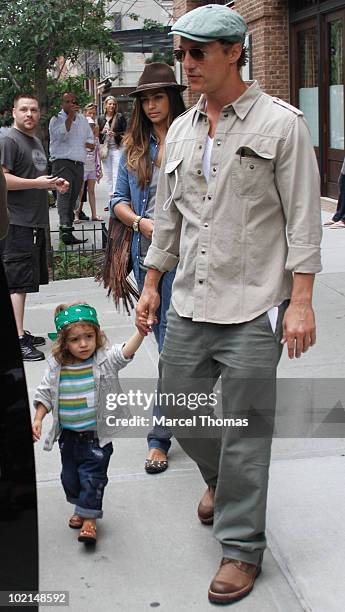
(251, 151)
(171, 165)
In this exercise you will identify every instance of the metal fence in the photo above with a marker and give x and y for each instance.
(81, 260)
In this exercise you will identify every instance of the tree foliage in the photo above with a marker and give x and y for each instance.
(34, 34)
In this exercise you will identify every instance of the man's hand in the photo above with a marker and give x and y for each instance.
(73, 110)
(61, 185)
(146, 228)
(299, 330)
(146, 310)
(46, 182)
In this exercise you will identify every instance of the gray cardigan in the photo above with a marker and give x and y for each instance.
(107, 363)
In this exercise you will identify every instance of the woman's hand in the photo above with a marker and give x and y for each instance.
(36, 429)
(146, 227)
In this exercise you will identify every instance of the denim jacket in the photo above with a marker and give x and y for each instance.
(128, 191)
(106, 364)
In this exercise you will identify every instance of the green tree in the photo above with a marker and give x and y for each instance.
(34, 34)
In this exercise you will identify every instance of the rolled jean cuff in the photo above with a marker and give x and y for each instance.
(255, 557)
(162, 445)
(88, 512)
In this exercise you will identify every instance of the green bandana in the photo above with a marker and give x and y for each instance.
(74, 314)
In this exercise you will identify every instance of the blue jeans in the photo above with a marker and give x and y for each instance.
(340, 212)
(159, 436)
(84, 471)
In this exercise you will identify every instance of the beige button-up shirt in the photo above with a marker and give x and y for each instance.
(238, 237)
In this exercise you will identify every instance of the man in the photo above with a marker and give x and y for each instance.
(70, 137)
(24, 164)
(238, 175)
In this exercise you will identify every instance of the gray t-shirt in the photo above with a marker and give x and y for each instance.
(25, 157)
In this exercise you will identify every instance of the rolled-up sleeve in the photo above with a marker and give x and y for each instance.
(163, 253)
(298, 183)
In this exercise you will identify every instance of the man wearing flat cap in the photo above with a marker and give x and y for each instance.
(238, 211)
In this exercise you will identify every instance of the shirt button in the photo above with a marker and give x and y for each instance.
(252, 166)
(214, 169)
(209, 197)
(226, 114)
(200, 146)
(199, 172)
(205, 224)
(219, 142)
(203, 251)
(201, 282)
(204, 198)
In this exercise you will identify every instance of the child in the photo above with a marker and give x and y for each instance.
(70, 389)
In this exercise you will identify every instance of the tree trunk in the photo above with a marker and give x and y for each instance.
(41, 92)
(43, 131)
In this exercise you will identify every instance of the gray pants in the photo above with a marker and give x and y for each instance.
(234, 459)
(73, 172)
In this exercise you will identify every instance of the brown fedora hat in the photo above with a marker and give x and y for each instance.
(156, 76)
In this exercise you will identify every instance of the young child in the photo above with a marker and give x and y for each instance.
(71, 387)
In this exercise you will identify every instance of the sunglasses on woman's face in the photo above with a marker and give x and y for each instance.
(196, 53)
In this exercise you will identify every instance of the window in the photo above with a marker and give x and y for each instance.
(117, 21)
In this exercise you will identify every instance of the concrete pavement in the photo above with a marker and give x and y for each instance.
(152, 552)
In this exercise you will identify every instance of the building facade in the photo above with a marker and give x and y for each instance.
(297, 53)
(132, 23)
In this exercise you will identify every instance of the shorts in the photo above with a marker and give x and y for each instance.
(24, 256)
(90, 174)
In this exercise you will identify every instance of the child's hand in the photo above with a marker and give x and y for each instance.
(36, 430)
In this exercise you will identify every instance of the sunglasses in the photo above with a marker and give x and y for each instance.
(196, 53)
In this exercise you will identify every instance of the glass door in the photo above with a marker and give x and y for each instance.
(334, 98)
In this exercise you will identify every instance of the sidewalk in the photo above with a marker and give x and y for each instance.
(152, 552)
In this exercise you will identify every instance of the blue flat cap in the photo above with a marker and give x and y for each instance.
(211, 22)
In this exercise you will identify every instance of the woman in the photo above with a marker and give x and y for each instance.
(92, 171)
(158, 102)
(112, 126)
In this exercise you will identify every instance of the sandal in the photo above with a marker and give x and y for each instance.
(329, 222)
(77, 220)
(88, 534)
(75, 522)
(155, 467)
(338, 225)
(97, 218)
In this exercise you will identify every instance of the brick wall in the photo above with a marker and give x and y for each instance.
(269, 26)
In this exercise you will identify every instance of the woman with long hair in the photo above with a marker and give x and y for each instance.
(112, 126)
(158, 102)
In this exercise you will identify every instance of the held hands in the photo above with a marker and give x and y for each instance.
(299, 330)
(146, 310)
(146, 227)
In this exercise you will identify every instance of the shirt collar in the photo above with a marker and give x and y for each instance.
(241, 106)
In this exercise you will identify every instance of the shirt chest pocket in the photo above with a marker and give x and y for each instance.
(252, 172)
(173, 173)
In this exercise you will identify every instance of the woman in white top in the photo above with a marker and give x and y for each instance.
(112, 126)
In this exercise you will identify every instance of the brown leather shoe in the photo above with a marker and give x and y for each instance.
(206, 506)
(234, 580)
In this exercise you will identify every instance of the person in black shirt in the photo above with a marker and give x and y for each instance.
(23, 251)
